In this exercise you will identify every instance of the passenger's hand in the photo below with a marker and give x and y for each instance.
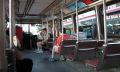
(19, 55)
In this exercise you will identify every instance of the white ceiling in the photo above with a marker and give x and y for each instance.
(37, 7)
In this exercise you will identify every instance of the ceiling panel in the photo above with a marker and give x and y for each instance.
(22, 6)
(39, 6)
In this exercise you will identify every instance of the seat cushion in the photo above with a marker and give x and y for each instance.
(92, 63)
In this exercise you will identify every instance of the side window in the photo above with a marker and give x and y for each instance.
(87, 21)
(113, 21)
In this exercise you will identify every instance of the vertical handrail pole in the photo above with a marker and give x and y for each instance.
(62, 19)
(77, 22)
(105, 26)
(11, 21)
(73, 23)
(98, 23)
(42, 27)
(12, 29)
(47, 26)
(42, 21)
(29, 25)
(3, 58)
(53, 25)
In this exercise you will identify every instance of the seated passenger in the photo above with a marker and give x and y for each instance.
(56, 47)
(82, 35)
(42, 44)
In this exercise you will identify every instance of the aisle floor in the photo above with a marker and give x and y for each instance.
(41, 63)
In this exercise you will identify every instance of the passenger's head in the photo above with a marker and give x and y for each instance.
(64, 30)
(44, 30)
(7, 32)
(80, 29)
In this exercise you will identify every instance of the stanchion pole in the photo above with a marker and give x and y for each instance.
(77, 22)
(62, 20)
(105, 24)
(53, 20)
(3, 58)
(98, 23)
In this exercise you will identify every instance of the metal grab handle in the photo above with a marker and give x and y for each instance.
(69, 45)
(86, 49)
(113, 55)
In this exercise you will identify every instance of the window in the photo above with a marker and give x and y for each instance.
(113, 25)
(68, 24)
(113, 20)
(87, 21)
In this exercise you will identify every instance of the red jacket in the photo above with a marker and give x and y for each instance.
(59, 41)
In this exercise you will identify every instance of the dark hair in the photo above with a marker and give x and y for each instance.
(64, 30)
(44, 29)
(7, 32)
(80, 29)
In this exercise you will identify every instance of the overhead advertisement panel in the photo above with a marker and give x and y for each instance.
(113, 8)
(68, 23)
(87, 18)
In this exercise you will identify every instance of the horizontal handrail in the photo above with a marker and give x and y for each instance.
(69, 45)
(86, 49)
(113, 55)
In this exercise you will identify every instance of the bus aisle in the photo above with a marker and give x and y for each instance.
(41, 63)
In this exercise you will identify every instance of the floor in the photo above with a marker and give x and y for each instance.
(42, 64)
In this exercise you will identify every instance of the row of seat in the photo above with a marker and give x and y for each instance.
(94, 53)
(109, 57)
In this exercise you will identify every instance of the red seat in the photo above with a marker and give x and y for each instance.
(110, 57)
(68, 48)
(93, 63)
(86, 50)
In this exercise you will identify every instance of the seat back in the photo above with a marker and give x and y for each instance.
(50, 43)
(86, 50)
(100, 43)
(109, 57)
(112, 55)
(68, 47)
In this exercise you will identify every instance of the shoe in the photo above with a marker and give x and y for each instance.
(69, 59)
(40, 51)
(62, 58)
(51, 59)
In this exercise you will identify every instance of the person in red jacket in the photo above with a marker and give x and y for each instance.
(57, 46)
(19, 34)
